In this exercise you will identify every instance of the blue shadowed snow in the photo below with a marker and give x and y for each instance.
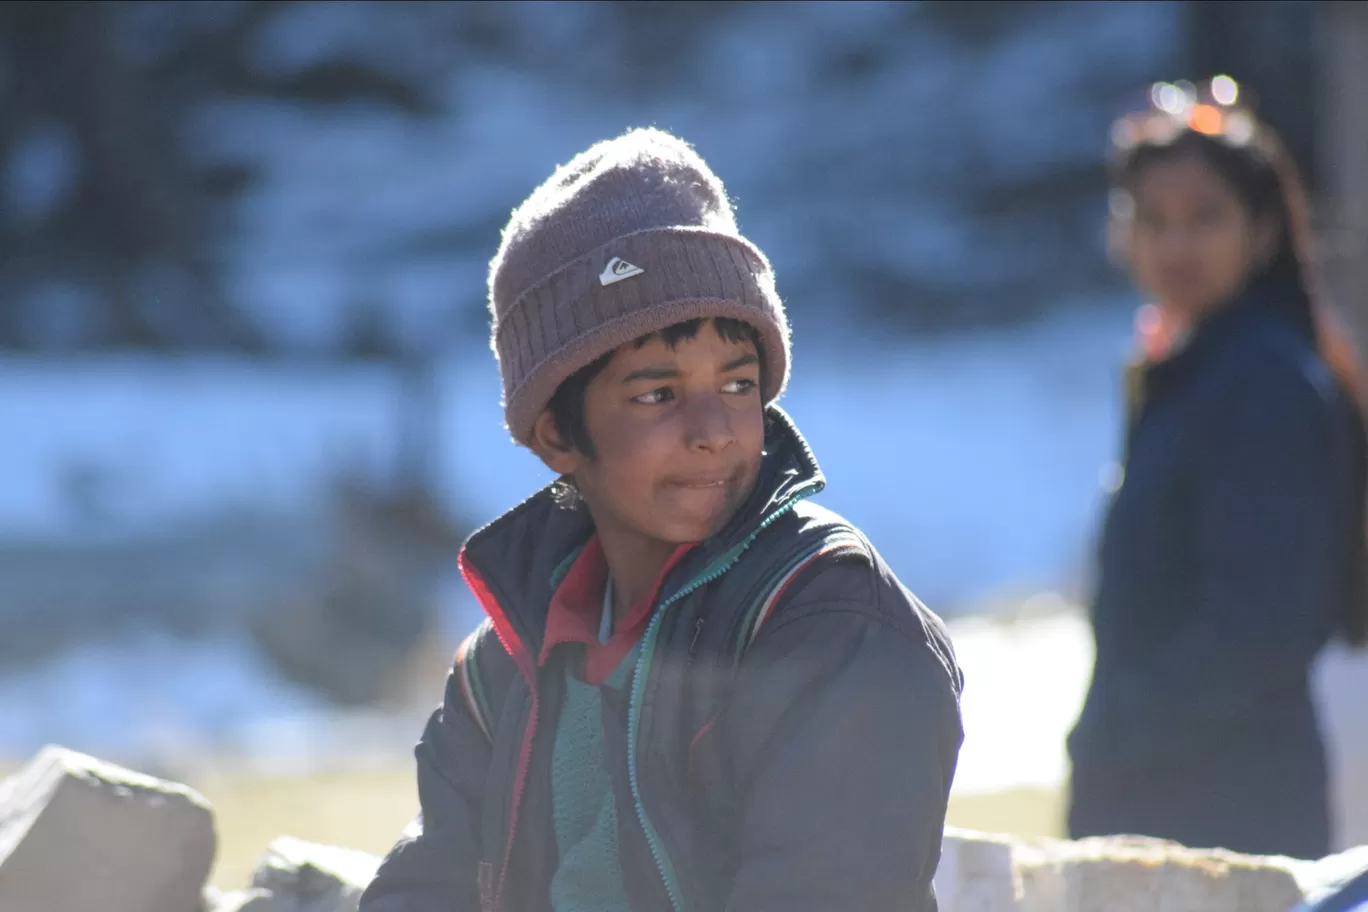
(972, 460)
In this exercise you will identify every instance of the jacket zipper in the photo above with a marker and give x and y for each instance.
(643, 667)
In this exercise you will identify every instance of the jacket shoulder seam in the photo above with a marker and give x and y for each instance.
(473, 686)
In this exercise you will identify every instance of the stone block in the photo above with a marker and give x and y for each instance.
(253, 900)
(977, 872)
(983, 873)
(78, 834)
(308, 877)
(1125, 874)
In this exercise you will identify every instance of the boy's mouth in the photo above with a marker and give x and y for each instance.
(701, 482)
(704, 501)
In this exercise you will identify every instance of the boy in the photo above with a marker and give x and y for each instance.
(696, 690)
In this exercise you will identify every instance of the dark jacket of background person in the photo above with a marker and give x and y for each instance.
(1227, 556)
(815, 779)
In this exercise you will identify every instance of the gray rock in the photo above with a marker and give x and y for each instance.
(307, 877)
(254, 900)
(77, 834)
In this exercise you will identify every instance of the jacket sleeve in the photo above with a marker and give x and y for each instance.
(843, 736)
(1268, 495)
(433, 866)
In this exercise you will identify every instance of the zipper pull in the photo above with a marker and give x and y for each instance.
(693, 644)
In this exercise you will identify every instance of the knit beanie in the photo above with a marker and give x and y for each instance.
(631, 236)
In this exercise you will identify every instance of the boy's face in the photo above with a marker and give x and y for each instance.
(678, 433)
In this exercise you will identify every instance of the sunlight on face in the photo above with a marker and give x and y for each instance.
(1193, 243)
(678, 434)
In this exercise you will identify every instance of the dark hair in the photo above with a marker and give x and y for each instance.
(567, 404)
(1251, 159)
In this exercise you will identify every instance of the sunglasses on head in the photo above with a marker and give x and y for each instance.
(1213, 108)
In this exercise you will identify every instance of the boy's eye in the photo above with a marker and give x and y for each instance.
(744, 385)
(655, 396)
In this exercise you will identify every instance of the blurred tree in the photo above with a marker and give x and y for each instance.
(111, 225)
(96, 194)
(107, 225)
(113, 231)
(1029, 203)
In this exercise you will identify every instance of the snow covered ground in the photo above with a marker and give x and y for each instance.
(972, 461)
(155, 703)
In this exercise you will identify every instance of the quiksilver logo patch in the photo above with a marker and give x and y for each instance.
(617, 270)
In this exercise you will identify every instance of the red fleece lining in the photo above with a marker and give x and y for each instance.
(523, 659)
(577, 607)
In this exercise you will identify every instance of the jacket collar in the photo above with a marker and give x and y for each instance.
(514, 562)
(1260, 303)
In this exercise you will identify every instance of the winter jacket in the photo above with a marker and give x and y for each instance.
(1226, 558)
(786, 740)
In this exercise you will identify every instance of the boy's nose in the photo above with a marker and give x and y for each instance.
(709, 424)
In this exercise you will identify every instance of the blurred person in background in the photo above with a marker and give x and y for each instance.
(696, 689)
(1233, 550)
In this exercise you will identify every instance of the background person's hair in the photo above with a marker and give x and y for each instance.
(1206, 122)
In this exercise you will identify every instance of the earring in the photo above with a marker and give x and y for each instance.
(565, 493)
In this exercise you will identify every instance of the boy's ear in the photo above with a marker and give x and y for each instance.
(559, 455)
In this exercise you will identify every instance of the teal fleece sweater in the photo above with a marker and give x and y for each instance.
(589, 876)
